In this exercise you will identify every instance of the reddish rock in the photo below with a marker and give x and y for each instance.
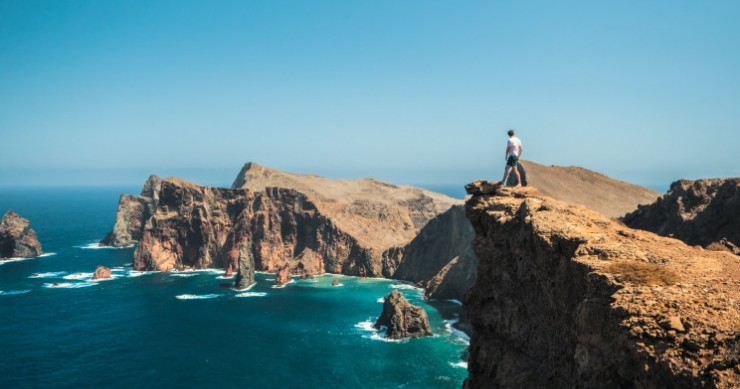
(17, 238)
(282, 275)
(101, 272)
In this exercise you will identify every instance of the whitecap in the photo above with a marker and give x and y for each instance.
(4, 261)
(251, 294)
(339, 284)
(70, 285)
(247, 288)
(44, 255)
(137, 273)
(283, 285)
(96, 246)
(226, 278)
(183, 275)
(196, 296)
(269, 279)
(366, 325)
(51, 274)
(449, 324)
(461, 364)
(78, 276)
(404, 287)
(14, 292)
(381, 300)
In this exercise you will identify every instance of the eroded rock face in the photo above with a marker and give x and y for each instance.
(132, 214)
(567, 297)
(245, 260)
(441, 257)
(401, 319)
(17, 238)
(199, 227)
(101, 272)
(282, 276)
(702, 212)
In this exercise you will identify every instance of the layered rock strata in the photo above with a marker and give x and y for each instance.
(245, 264)
(701, 212)
(402, 319)
(567, 297)
(17, 238)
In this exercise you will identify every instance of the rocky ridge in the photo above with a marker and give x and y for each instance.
(701, 212)
(567, 297)
(402, 319)
(17, 238)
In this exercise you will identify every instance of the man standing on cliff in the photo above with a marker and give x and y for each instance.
(513, 153)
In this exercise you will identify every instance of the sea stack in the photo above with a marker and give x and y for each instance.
(282, 275)
(17, 238)
(245, 274)
(566, 297)
(101, 272)
(401, 319)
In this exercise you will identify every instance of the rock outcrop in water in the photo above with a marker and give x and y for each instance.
(567, 297)
(101, 272)
(132, 214)
(701, 212)
(401, 319)
(17, 238)
(245, 261)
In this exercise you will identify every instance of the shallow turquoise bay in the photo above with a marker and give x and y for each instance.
(191, 329)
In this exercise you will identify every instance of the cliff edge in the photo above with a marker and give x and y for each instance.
(17, 238)
(567, 297)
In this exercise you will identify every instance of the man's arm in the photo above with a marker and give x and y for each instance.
(521, 149)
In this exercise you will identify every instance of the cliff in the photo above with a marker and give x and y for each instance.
(567, 297)
(441, 257)
(132, 214)
(701, 212)
(17, 238)
(577, 185)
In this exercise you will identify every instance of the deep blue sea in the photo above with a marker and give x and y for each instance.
(190, 329)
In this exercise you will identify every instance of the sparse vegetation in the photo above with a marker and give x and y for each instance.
(642, 273)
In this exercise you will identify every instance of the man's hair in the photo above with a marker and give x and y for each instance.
(511, 132)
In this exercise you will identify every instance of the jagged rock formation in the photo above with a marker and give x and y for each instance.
(101, 272)
(17, 238)
(566, 297)
(282, 275)
(316, 225)
(245, 261)
(577, 185)
(401, 319)
(133, 212)
(441, 257)
(703, 212)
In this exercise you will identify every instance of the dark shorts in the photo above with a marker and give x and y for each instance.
(512, 161)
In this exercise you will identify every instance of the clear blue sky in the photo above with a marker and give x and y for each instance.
(106, 92)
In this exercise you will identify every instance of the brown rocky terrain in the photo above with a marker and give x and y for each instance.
(245, 265)
(17, 238)
(101, 272)
(567, 297)
(401, 319)
(702, 212)
(577, 185)
(133, 212)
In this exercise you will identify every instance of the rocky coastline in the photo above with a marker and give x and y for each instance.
(17, 238)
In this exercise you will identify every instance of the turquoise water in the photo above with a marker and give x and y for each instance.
(191, 329)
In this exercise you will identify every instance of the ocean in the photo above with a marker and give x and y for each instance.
(191, 329)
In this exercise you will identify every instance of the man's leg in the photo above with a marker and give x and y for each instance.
(518, 178)
(506, 174)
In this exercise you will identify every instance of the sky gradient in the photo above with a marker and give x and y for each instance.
(420, 92)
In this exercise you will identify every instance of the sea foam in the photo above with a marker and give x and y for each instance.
(14, 292)
(70, 285)
(51, 274)
(96, 246)
(251, 294)
(196, 296)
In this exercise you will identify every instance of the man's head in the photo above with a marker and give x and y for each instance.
(511, 132)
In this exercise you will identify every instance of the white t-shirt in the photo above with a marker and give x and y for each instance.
(512, 147)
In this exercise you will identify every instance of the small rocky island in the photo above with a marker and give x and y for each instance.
(401, 319)
(17, 238)
(101, 272)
